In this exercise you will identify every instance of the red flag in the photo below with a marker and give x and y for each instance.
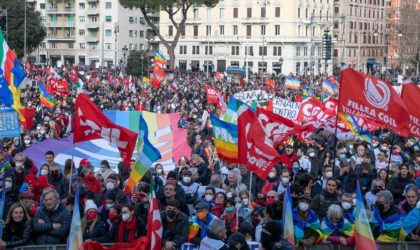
(137, 244)
(213, 96)
(256, 150)
(90, 123)
(29, 114)
(154, 222)
(373, 98)
(309, 109)
(411, 95)
(330, 106)
(157, 70)
(217, 75)
(28, 67)
(57, 86)
(270, 83)
(154, 82)
(278, 128)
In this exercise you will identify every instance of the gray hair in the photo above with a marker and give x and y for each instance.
(20, 155)
(216, 226)
(238, 176)
(50, 190)
(347, 195)
(375, 181)
(334, 213)
(216, 180)
(387, 196)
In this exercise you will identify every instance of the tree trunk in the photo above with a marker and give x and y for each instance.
(171, 60)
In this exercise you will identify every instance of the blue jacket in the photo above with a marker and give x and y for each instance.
(45, 233)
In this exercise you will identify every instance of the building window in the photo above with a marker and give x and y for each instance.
(249, 12)
(93, 46)
(251, 50)
(182, 31)
(130, 33)
(108, 19)
(170, 30)
(82, 19)
(305, 51)
(108, 46)
(81, 5)
(196, 50)
(53, 45)
(208, 12)
(235, 12)
(277, 30)
(195, 30)
(131, 19)
(81, 32)
(262, 51)
(263, 30)
(108, 5)
(277, 12)
(141, 32)
(222, 13)
(70, 45)
(42, 6)
(183, 50)
(235, 30)
(276, 51)
(108, 33)
(209, 50)
(248, 30)
(235, 51)
(82, 45)
(222, 30)
(298, 12)
(208, 30)
(135, 33)
(263, 12)
(297, 51)
(195, 12)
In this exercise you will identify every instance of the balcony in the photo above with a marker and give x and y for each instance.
(66, 10)
(254, 20)
(92, 1)
(193, 21)
(92, 25)
(92, 12)
(56, 25)
(92, 39)
(61, 38)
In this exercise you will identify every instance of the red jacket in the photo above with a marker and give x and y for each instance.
(287, 160)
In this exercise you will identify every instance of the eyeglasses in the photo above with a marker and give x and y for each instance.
(208, 194)
(377, 186)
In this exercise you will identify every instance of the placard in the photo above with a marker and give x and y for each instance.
(9, 122)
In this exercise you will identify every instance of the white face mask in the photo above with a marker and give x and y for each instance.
(303, 206)
(8, 184)
(110, 186)
(328, 174)
(245, 201)
(27, 141)
(238, 205)
(208, 197)
(159, 171)
(311, 154)
(229, 195)
(285, 180)
(19, 164)
(186, 179)
(44, 172)
(108, 206)
(346, 205)
(418, 205)
(271, 175)
(125, 217)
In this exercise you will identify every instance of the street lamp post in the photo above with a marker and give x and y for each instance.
(125, 51)
(281, 60)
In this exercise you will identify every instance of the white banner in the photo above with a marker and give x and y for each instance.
(252, 96)
(286, 108)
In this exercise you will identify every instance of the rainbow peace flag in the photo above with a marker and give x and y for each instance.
(292, 83)
(46, 98)
(364, 237)
(311, 222)
(225, 137)
(328, 87)
(341, 228)
(11, 76)
(231, 114)
(409, 223)
(159, 57)
(75, 239)
(147, 154)
(288, 230)
(351, 124)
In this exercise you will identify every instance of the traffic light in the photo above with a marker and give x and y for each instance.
(326, 45)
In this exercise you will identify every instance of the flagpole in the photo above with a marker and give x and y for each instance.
(389, 159)
(71, 167)
(336, 128)
(237, 197)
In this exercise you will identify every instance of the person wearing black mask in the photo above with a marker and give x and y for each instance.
(175, 226)
(271, 238)
(57, 179)
(377, 185)
(386, 221)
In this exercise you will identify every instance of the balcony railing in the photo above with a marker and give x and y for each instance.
(61, 10)
(92, 25)
(92, 39)
(63, 38)
(64, 24)
(92, 12)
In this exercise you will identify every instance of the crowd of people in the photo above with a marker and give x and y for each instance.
(203, 200)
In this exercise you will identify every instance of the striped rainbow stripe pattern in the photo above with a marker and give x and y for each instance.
(146, 156)
(45, 97)
(159, 57)
(328, 87)
(292, 83)
(75, 239)
(225, 137)
(288, 229)
(364, 237)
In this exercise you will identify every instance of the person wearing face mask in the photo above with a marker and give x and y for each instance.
(410, 230)
(57, 179)
(315, 170)
(337, 229)
(175, 226)
(328, 196)
(209, 195)
(386, 220)
(284, 181)
(110, 201)
(199, 223)
(410, 201)
(245, 206)
(349, 213)
(160, 172)
(105, 169)
(398, 184)
(215, 237)
(92, 225)
(370, 197)
(347, 176)
(131, 226)
(319, 185)
(271, 183)
(190, 188)
(306, 223)
(112, 185)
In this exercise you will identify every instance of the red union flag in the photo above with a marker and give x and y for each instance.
(330, 106)
(411, 95)
(372, 98)
(90, 124)
(213, 96)
(256, 150)
(309, 109)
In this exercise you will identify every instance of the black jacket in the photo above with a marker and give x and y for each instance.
(98, 231)
(45, 233)
(322, 201)
(178, 231)
(397, 186)
(60, 184)
(18, 234)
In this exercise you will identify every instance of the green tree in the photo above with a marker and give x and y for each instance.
(177, 14)
(35, 31)
(136, 63)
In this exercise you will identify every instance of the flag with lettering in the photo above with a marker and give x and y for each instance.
(411, 96)
(372, 98)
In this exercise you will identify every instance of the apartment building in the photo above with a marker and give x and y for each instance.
(270, 36)
(99, 32)
(360, 32)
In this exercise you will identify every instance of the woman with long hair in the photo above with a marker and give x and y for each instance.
(92, 226)
(131, 226)
(18, 228)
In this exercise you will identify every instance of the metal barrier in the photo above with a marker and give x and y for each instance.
(402, 245)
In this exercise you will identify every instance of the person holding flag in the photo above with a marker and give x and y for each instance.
(336, 229)
(306, 223)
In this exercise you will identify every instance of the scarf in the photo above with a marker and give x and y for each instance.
(389, 227)
(131, 227)
(342, 228)
(311, 222)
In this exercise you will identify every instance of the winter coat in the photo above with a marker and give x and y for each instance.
(398, 185)
(176, 232)
(18, 234)
(45, 233)
(96, 234)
